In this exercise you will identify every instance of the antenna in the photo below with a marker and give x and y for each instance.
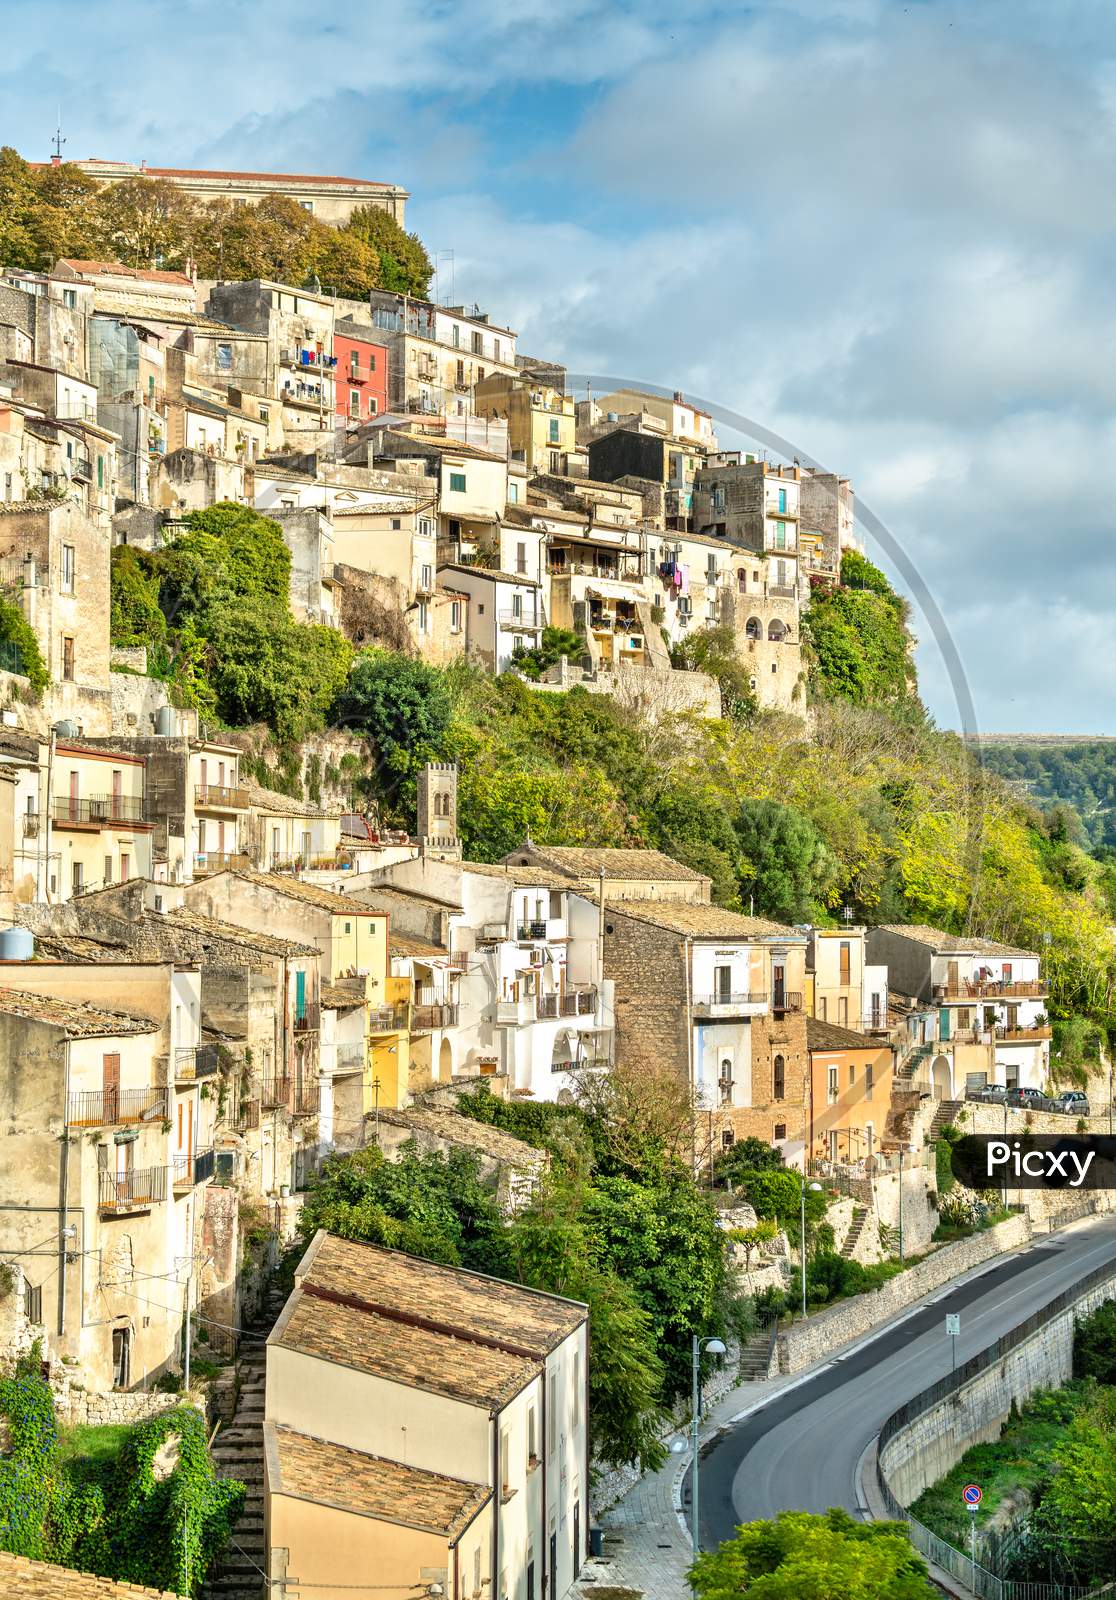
(58, 141)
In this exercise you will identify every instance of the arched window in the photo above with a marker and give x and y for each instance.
(778, 1078)
(754, 628)
(777, 631)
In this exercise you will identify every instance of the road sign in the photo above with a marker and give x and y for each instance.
(972, 1494)
(953, 1323)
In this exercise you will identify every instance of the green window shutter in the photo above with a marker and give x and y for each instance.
(100, 472)
(300, 995)
(457, 482)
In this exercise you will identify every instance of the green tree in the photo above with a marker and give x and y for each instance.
(26, 657)
(858, 638)
(777, 1194)
(405, 267)
(147, 222)
(744, 1157)
(800, 1556)
(20, 208)
(791, 871)
(135, 617)
(1074, 1523)
(403, 706)
(556, 643)
(713, 650)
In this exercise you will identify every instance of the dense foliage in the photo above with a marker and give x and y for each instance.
(18, 635)
(59, 211)
(212, 606)
(637, 1241)
(152, 1513)
(858, 640)
(800, 1556)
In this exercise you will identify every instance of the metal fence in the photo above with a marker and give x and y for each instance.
(988, 1585)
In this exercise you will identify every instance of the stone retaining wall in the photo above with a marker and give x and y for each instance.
(931, 1444)
(819, 1335)
(73, 1406)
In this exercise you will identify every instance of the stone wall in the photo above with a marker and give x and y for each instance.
(79, 1406)
(924, 1450)
(826, 1331)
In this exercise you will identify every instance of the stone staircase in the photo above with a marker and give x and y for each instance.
(946, 1113)
(910, 1063)
(238, 1453)
(856, 1229)
(756, 1357)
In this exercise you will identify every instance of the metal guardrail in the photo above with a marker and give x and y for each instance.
(127, 1191)
(200, 1061)
(574, 1003)
(104, 1108)
(433, 1016)
(988, 1585)
(103, 809)
(226, 796)
(711, 1002)
(275, 1092)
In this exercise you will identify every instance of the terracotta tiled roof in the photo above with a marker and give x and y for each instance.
(954, 944)
(407, 944)
(456, 1368)
(615, 863)
(528, 877)
(266, 177)
(21, 1579)
(268, 944)
(519, 578)
(329, 1474)
(828, 1036)
(448, 447)
(336, 997)
(76, 1018)
(312, 893)
(271, 800)
(702, 921)
(117, 269)
(450, 1297)
(468, 1132)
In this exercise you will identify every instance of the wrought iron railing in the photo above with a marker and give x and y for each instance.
(102, 1108)
(105, 809)
(227, 796)
(433, 1016)
(574, 1003)
(127, 1191)
(742, 997)
(197, 1061)
(193, 1166)
(275, 1092)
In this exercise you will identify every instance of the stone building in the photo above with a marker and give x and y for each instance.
(754, 504)
(437, 810)
(625, 874)
(715, 1000)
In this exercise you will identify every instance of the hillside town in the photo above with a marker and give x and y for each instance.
(210, 987)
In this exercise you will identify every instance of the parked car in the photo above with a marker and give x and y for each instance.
(1072, 1102)
(995, 1093)
(1026, 1099)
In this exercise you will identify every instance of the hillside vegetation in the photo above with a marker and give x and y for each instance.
(50, 212)
(868, 806)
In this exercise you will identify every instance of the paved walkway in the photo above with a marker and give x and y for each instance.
(646, 1535)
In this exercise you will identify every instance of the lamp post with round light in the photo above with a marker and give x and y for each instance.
(814, 1188)
(712, 1347)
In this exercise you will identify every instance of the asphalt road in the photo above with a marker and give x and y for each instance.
(800, 1450)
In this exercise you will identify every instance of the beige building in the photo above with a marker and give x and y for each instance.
(835, 982)
(93, 824)
(476, 1386)
(109, 1152)
(624, 874)
(330, 199)
(679, 418)
(541, 421)
(438, 354)
(288, 835)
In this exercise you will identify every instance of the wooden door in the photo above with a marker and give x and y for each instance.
(110, 1085)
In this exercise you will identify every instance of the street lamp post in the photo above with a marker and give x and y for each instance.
(814, 1188)
(713, 1347)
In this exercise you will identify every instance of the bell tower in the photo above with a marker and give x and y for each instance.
(437, 811)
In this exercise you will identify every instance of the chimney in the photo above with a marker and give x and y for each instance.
(56, 161)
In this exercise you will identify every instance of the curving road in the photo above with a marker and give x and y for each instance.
(799, 1449)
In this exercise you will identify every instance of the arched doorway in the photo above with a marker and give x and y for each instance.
(941, 1079)
(445, 1062)
(563, 1053)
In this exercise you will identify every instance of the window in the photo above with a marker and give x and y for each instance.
(780, 536)
(67, 569)
(846, 961)
(833, 1086)
(32, 1302)
(348, 927)
(505, 1464)
(778, 1078)
(455, 616)
(457, 482)
(724, 1082)
(476, 1552)
(354, 364)
(307, 205)
(224, 358)
(852, 1074)
(728, 1138)
(427, 576)
(77, 877)
(780, 1132)
(108, 870)
(868, 1078)
(1007, 972)
(782, 502)
(354, 402)
(556, 461)
(554, 433)
(513, 494)
(100, 472)
(423, 617)
(843, 1011)
(69, 299)
(300, 995)
(68, 660)
(456, 340)
(478, 344)
(396, 524)
(551, 1413)
(371, 361)
(125, 866)
(121, 1357)
(521, 558)
(460, 372)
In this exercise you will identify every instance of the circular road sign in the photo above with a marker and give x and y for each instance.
(972, 1495)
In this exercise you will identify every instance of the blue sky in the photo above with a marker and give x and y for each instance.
(884, 230)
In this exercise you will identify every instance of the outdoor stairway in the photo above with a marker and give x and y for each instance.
(946, 1112)
(859, 1222)
(238, 1453)
(911, 1062)
(755, 1357)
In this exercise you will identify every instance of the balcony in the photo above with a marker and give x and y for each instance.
(246, 1118)
(784, 1000)
(195, 1167)
(30, 824)
(350, 1058)
(425, 1018)
(97, 810)
(207, 861)
(515, 622)
(1002, 1034)
(981, 989)
(124, 1192)
(274, 1093)
(106, 1108)
(83, 471)
(306, 1098)
(200, 1061)
(387, 1019)
(574, 1003)
(726, 1003)
(528, 931)
(512, 1013)
(309, 1020)
(220, 797)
